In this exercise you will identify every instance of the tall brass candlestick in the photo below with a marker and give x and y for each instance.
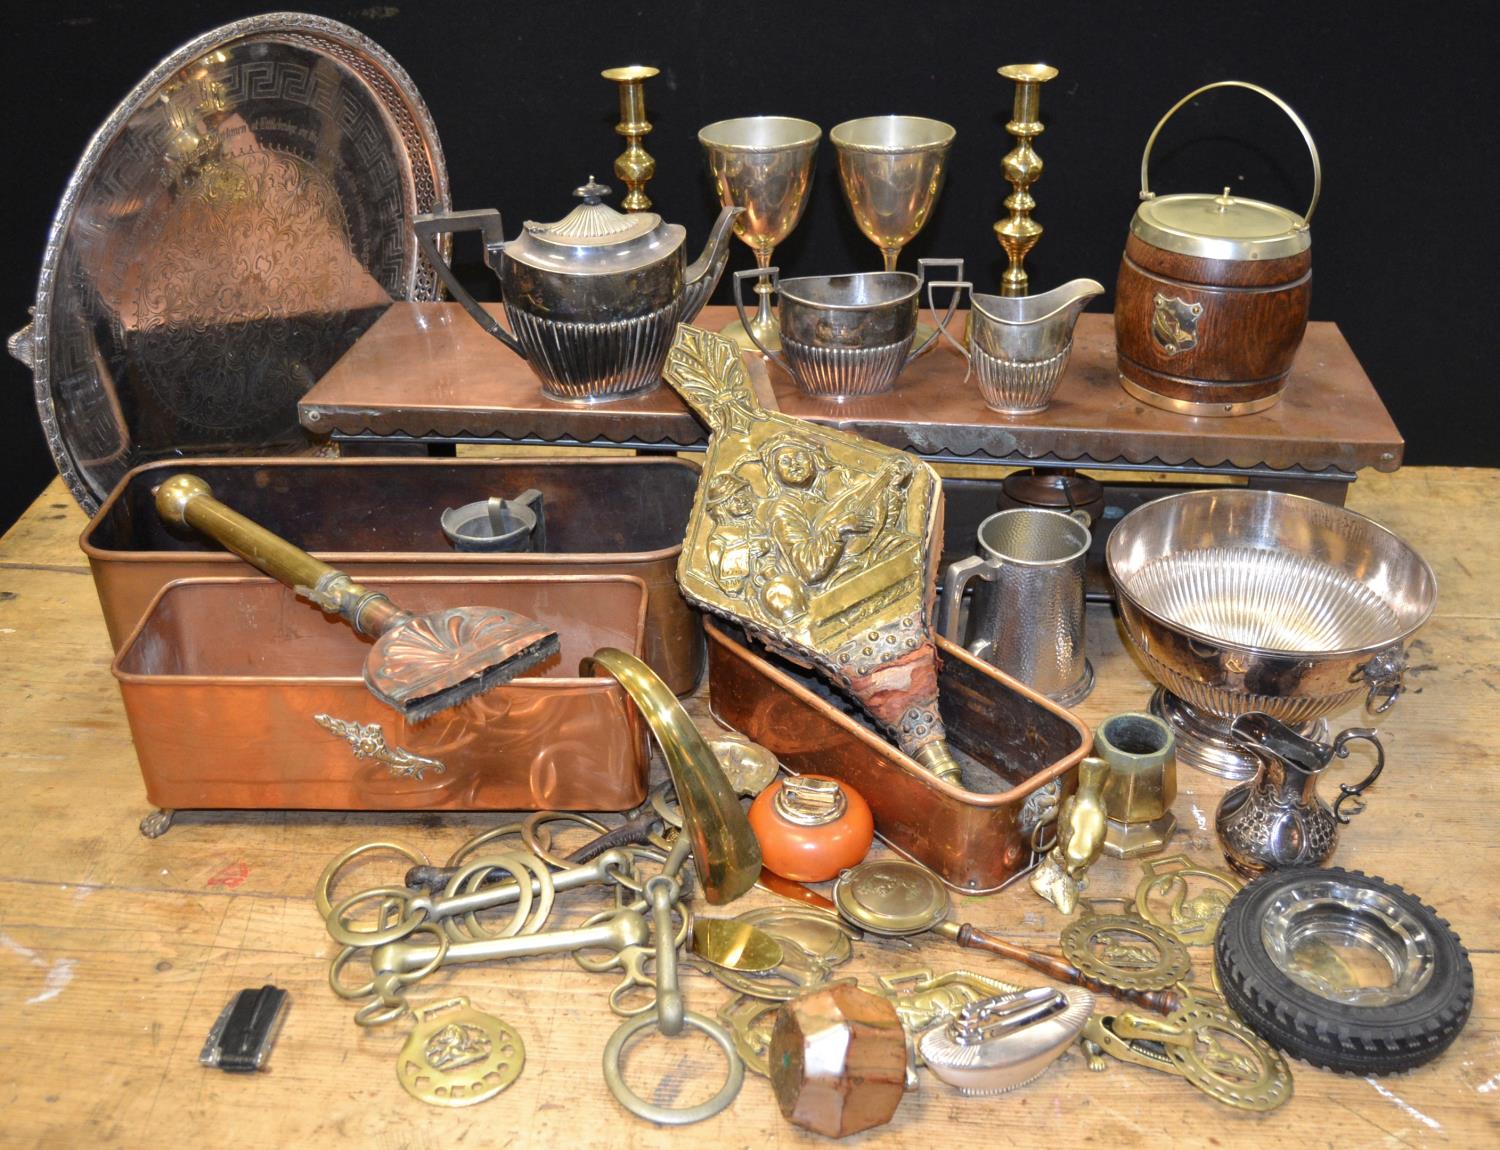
(634, 166)
(1018, 232)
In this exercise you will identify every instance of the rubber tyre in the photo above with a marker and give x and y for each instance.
(1351, 1039)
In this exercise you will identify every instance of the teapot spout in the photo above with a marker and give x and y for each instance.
(703, 275)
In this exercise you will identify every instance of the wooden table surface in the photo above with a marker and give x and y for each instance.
(117, 953)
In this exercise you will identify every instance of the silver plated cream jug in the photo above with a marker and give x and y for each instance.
(1277, 819)
(593, 300)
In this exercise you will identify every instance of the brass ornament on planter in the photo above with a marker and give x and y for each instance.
(820, 543)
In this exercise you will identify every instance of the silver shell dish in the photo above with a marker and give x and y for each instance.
(236, 224)
(1244, 600)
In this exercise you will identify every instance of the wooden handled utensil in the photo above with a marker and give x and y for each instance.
(420, 664)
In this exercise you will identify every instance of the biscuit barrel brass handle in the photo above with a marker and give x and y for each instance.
(1312, 148)
(725, 852)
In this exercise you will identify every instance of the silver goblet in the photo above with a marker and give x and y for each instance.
(892, 170)
(763, 164)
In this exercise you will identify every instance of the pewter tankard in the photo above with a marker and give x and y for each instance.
(1027, 615)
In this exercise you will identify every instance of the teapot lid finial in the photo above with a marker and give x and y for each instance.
(594, 222)
(593, 191)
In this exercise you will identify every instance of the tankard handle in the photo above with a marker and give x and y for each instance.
(959, 287)
(1148, 194)
(1341, 749)
(922, 265)
(485, 221)
(955, 579)
(739, 303)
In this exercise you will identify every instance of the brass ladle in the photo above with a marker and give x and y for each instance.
(896, 897)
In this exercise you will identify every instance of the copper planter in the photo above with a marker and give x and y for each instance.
(241, 695)
(1014, 743)
(381, 517)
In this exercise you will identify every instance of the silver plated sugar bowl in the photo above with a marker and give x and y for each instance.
(592, 300)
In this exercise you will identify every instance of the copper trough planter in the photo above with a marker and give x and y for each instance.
(241, 695)
(1013, 744)
(381, 517)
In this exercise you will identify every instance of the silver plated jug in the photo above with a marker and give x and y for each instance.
(1277, 819)
(1018, 346)
(592, 300)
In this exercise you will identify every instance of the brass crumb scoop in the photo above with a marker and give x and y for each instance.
(420, 664)
(820, 543)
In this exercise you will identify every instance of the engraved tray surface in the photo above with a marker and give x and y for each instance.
(237, 223)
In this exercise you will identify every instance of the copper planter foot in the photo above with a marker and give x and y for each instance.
(157, 823)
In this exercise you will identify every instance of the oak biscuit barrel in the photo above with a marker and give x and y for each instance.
(1212, 298)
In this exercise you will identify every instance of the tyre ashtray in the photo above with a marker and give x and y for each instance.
(1344, 970)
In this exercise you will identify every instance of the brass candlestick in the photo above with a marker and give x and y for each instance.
(634, 166)
(1018, 232)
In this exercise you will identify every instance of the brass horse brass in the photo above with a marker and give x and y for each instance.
(819, 542)
(457, 1056)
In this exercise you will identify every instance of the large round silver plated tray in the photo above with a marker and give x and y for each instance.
(1245, 600)
(237, 222)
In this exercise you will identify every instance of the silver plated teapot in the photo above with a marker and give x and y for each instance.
(1277, 819)
(593, 300)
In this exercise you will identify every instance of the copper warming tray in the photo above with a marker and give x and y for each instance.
(1013, 745)
(241, 695)
(373, 517)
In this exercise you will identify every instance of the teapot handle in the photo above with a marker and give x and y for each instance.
(1341, 749)
(484, 220)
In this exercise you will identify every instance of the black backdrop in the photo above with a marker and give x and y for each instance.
(1401, 99)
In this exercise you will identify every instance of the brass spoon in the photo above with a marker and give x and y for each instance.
(734, 945)
(897, 897)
